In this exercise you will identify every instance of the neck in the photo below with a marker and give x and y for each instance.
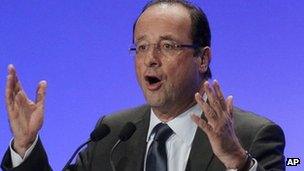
(165, 115)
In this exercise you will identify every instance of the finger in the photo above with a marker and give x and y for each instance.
(219, 94)
(229, 103)
(15, 82)
(18, 102)
(199, 99)
(212, 100)
(208, 111)
(9, 97)
(202, 92)
(37, 116)
(21, 99)
(201, 89)
(37, 119)
(40, 93)
(201, 123)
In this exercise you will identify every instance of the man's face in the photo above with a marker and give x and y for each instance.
(167, 81)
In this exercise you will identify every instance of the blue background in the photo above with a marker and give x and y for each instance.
(81, 49)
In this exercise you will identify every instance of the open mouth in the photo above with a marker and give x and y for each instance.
(152, 79)
(153, 83)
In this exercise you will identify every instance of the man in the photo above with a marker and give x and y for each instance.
(186, 125)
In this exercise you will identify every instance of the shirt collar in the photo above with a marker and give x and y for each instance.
(182, 125)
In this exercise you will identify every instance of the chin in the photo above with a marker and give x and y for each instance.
(155, 101)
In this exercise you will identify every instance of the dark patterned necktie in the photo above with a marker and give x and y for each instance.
(157, 155)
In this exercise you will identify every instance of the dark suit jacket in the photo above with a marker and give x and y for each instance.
(259, 136)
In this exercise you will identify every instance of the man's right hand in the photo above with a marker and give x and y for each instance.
(25, 116)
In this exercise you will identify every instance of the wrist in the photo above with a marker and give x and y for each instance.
(237, 160)
(21, 147)
(244, 166)
(249, 162)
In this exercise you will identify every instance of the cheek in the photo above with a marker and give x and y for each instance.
(138, 69)
(182, 70)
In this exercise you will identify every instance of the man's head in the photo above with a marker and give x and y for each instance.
(200, 30)
(172, 39)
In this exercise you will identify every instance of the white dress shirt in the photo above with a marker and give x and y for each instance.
(16, 158)
(178, 145)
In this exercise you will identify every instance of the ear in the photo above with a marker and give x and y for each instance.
(204, 59)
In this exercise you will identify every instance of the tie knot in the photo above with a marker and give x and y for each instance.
(162, 132)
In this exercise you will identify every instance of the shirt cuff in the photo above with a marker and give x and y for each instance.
(255, 165)
(253, 168)
(16, 158)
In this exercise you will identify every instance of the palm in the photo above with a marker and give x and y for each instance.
(219, 126)
(26, 119)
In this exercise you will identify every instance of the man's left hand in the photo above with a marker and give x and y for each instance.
(219, 126)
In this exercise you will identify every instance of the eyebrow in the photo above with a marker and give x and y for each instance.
(167, 37)
(140, 38)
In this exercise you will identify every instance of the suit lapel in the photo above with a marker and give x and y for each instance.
(132, 152)
(201, 152)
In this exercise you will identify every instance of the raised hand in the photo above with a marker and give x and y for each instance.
(25, 116)
(219, 126)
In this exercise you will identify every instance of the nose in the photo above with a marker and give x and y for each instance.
(153, 58)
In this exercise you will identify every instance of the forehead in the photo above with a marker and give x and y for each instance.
(164, 20)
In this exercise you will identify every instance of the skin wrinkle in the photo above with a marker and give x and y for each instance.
(181, 77)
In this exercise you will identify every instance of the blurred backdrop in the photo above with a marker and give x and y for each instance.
(81, 49)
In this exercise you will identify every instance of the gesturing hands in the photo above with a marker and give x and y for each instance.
(220, 127)
(25, 116)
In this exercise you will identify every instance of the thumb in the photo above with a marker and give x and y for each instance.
(229, 103)
(40, 93)
(201, 123)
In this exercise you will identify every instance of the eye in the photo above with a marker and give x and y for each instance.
(142, 47)
(168, 46)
